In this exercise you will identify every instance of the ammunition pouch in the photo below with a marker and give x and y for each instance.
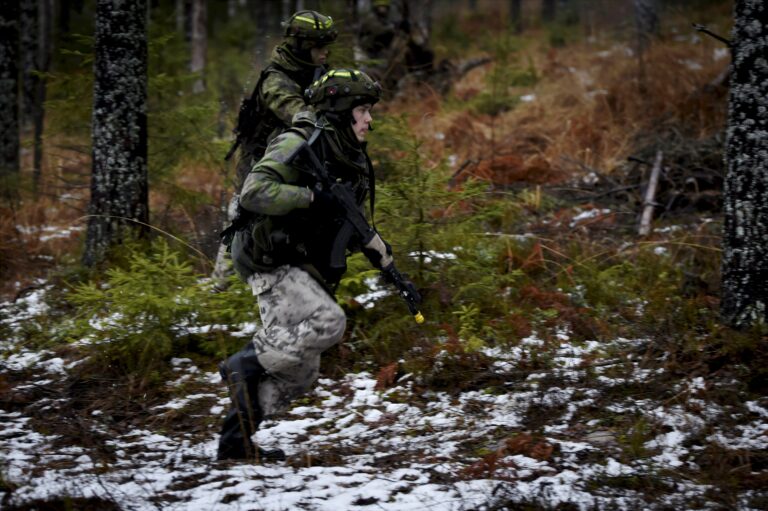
(261, 247)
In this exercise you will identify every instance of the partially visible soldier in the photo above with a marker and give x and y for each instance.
(377, 30)
(278, 95)
(392, 49)
(292, 252)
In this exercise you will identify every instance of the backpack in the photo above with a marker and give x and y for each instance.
(255, 123)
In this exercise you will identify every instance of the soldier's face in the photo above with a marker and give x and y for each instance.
(319, 55)
(361, 116)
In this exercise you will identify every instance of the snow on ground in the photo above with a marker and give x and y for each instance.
(547, 438)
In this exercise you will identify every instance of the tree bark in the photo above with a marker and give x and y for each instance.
(119, 190)
(516, 15)
(548, 10)
(43, 62)
(36, 16)
(745, 196)
(28, 28)
(199, 43)
(9, 97)
(646, 23)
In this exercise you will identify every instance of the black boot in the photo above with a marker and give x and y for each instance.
(242, 372)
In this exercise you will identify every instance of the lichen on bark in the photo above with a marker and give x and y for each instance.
(119, 194)
(745, 195)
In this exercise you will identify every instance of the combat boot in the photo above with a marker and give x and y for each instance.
(242, 372)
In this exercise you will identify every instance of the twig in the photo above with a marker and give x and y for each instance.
(650, 195)
(705, 30)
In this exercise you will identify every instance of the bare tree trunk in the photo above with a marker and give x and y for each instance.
(43, 63)
(745, 196)
(353, 14)
(647, 25)
(119, 189)
(548, 10)
(516, 15)
(9, 98)
(287, 9)
(179, 10)
(647, 22)
(28, 29)
(36, 16)
(199, 43)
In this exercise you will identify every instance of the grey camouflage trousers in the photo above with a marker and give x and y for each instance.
(300, 320)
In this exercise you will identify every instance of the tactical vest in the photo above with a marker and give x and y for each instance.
(302, 237)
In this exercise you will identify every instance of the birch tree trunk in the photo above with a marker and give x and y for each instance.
(199, 43)
(9, 97)
(119, 190)
(745, 196)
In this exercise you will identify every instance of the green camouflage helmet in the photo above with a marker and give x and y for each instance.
(342, 89)
(311, 27)
(381, 3)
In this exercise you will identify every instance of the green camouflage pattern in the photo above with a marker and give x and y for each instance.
(282, 94)
(299, 320)
(269, 188)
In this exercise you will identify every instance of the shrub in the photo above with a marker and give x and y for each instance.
(156, 307)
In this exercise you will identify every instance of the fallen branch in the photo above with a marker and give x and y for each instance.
(705, 30)
(650, 195)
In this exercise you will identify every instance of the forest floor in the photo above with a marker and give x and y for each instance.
(620, 424)
(557, 421)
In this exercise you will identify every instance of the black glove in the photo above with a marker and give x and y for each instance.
(325, 202)
(378, 252)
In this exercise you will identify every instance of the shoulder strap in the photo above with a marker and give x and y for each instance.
(371, 186)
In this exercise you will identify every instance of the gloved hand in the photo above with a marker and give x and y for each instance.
(325, 202)
(378, 252)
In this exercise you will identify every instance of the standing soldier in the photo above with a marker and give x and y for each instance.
(279, 95)
(298, 207)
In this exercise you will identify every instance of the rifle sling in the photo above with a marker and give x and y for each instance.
(316, 162)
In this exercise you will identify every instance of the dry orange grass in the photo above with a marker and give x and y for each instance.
(591, 105)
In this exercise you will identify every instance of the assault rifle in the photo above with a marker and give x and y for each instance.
(374, 246)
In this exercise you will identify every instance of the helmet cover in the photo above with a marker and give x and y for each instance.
(339, 90)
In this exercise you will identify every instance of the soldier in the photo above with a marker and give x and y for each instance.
(377, 31)
(277, 97)
(285, 252)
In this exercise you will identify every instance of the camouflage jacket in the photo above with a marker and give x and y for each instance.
(277, 194)
(280, 92)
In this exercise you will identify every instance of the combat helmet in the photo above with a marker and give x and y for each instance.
(308, 29)
(339, 90)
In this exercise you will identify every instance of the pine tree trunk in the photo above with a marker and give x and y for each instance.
(28, 27)
(516, 15)
(646, 22)
(119, 191)
(43, 62)
(548, 10)
(287, 9)
(36, 16)
(199, 43)
(9, 97)
(745, 195)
